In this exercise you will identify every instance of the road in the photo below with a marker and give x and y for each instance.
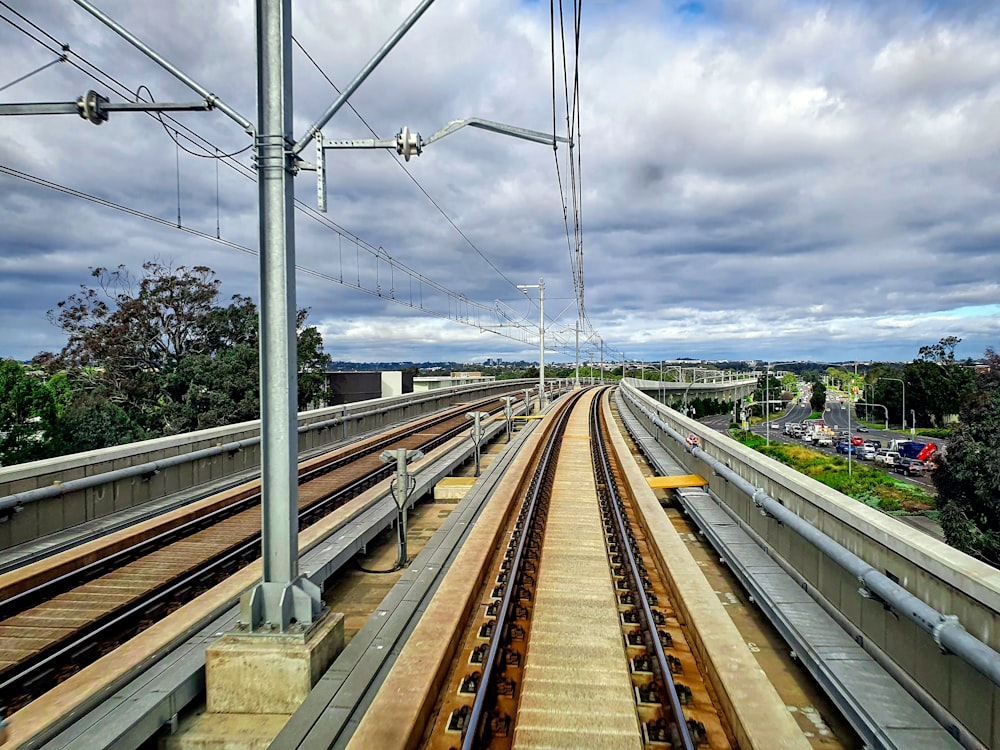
(835, 416)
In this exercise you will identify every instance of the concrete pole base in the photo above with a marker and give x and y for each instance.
(255, 682)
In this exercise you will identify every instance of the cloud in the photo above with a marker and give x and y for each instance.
(764, 179)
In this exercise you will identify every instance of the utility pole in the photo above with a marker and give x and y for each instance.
(282, 595)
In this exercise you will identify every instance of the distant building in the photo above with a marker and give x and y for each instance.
(430, 383)
(348, 387)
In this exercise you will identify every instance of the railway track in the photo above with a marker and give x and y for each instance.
(64, 613)
(574, 638)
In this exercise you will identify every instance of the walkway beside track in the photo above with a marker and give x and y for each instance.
(577, 691)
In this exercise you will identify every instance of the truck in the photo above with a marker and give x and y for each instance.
(913, 449)
(813, 428)
(823, 436)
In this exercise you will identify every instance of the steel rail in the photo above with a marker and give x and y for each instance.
(602, 463)
(24, 599)
(476, 724)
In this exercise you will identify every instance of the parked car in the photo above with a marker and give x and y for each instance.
(861, 428)
(911, 467)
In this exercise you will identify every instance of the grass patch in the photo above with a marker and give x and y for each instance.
(870, 486)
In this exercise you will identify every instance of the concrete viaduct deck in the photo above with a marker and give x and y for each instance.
(863, 592)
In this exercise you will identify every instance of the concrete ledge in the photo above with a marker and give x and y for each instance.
(453, 489)
(229, 732)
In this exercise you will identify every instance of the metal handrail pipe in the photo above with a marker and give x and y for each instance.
(151, 467)
(946, 630)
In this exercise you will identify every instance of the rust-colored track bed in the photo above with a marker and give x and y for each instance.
(59, 619)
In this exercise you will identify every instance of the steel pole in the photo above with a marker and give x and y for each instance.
(767, 405)
(850, 440)
(576, 378)
(279, 396)
(282, 596)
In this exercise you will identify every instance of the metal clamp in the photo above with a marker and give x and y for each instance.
(947, 621)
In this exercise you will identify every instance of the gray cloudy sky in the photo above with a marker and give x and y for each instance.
(761, 179)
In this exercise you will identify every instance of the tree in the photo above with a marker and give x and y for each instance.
(818, 399)
(767, 385)
(135, 331)
(967, 478)
(312, 365)
(27, 414)
(93, 422)
(943, 351)
(162, 348)
(213, 390)
(938, 383)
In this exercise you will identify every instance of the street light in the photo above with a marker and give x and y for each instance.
(693, 381)
(767, 400)
(540, 286)
(899, 380)
(850, 440)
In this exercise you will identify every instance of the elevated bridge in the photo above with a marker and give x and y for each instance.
(898, 629)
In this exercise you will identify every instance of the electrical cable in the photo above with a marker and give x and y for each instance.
(228, 158)
(402, 166)
(309, 271)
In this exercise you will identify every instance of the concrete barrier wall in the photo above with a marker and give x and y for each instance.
(948, 580)
(318, 429)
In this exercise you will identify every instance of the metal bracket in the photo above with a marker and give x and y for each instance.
(409, 144)
(867, 593)
(8, 513)
(298, 604)
(95, 108)
(948, 621)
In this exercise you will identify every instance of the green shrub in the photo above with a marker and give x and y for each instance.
(942, 433)
(889, 505)
(866, 484)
